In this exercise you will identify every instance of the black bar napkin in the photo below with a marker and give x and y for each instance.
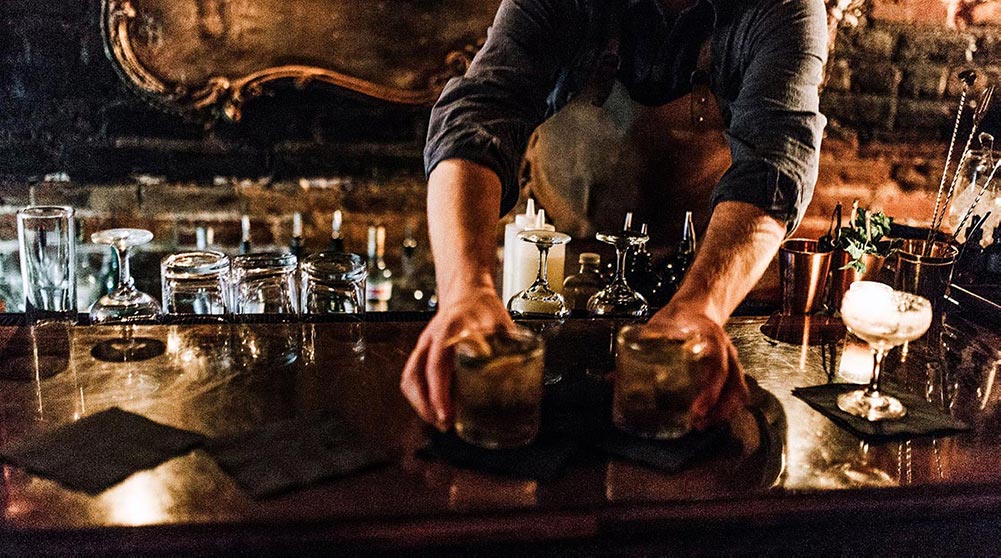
(100, 450)
(545, 459)
(922, 418)
(286, 455)
(670, 456)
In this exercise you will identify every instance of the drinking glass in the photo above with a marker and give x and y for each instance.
(539, 300)
(884, 318)
(333, 283)
(265, 284)
(498, 387)
(195, 283)
(618, 299)
(925, 270)
(47, 242)
(657, 378)
(124, 304)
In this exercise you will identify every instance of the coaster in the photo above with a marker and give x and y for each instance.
(287, 455)
(545, 459)
(922, 418)
(101, 450)
(670, 456)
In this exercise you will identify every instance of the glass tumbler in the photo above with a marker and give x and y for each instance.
(497, 388)
(195, 283)
(657, 378)
(333, 283)
(47, 243)
(265, 284)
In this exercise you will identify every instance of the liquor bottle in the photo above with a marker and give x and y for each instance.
(578, 288)
(379, 284)
(336, 242)
(640, 273)
(295, 246)
(245, 234)
(677, 264)
(410, 294)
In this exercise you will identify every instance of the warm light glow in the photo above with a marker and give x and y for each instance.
(141, 499)
(856, 362)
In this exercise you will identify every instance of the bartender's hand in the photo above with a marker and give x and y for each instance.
(724, 392)
(427, 377)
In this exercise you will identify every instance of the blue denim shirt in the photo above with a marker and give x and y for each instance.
(767, 66)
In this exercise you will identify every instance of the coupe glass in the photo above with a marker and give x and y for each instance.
(884, 318)
(618, 299)
(125, 304)
(539, 300)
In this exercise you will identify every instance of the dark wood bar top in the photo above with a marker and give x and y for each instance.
(794, 482)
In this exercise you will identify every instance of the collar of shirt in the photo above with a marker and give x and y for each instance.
(660, 49)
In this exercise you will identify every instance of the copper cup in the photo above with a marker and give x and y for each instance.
(803, 271)
(923, 270)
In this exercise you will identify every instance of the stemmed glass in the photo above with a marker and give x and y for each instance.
(884, 318)
(539, 300)
(618, 299)
(125, 305)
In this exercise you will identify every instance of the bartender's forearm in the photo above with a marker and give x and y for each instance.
(463, 204)
(739, 243)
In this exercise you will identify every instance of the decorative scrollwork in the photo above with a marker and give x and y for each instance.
(225, 95)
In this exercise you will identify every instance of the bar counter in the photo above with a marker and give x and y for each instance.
(794, 482)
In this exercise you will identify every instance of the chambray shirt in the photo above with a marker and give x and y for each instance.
(767, 66)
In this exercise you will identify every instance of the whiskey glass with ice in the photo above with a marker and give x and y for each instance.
(497, 387)
(884, 318)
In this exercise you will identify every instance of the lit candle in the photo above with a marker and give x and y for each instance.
(297, 224)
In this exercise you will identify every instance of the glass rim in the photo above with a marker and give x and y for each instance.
(632, 336)
(789, 243)
(46, 211)
(534, 343)
(195, 264)
(344, 266)
(264, 262)
(949, 250)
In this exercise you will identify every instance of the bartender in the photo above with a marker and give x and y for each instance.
(754, 66)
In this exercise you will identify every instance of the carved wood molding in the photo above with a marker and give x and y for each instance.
(137, 36)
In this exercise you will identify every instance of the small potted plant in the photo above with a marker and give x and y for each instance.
(860, 250)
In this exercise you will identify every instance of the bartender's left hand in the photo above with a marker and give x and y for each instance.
(724, 391)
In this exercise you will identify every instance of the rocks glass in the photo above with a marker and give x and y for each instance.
(333, 283)
(657, 378)
(195, 283)
(47, 242)
(497, 388)
(265, 284)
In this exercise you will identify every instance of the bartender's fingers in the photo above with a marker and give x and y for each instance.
(439, 377)
(732, 397)
(413, 383)
(715, 363)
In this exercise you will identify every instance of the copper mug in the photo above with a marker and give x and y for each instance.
(803, 271)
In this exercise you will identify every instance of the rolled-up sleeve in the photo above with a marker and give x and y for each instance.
(487, 115)
(775, 126)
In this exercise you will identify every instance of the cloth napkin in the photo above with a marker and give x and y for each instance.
(291, 454)
(100, 450)
(670, 456)
(545, 459)
(922, 418)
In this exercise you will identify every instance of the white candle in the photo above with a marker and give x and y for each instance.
(297, 224)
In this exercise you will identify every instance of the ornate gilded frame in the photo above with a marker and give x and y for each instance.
(224, 95)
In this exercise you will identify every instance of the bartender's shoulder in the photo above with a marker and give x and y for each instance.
(799, 19)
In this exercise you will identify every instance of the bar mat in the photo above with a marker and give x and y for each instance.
(922, 418)
(101, 450)
(283, 456)
(545, 459)
(670, 456)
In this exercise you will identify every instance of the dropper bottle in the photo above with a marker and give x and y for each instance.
(512, 246)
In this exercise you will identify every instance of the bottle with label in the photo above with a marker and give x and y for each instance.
(677, 264)
(379, 284)
(578, 288)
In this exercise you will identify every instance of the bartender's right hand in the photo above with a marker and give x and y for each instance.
(427, 377)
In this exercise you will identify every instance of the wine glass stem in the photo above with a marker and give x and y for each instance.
(877, 368)
(124, 273)
(542, 278)
(620, 265)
